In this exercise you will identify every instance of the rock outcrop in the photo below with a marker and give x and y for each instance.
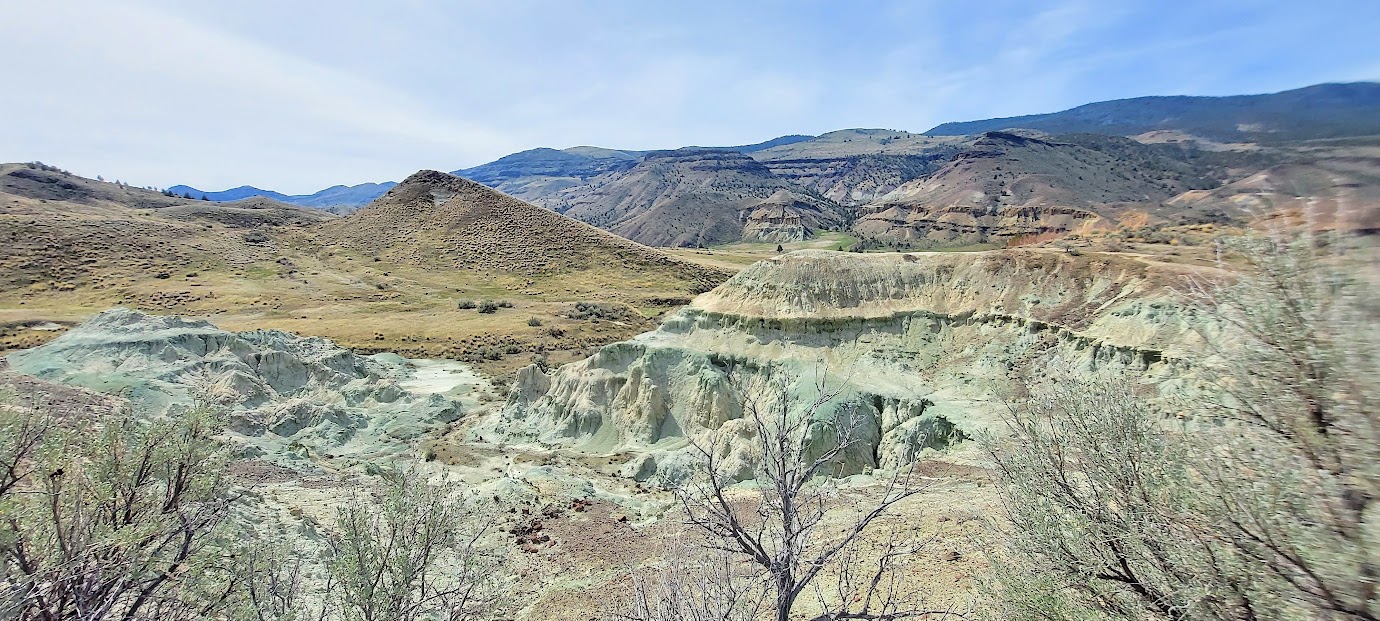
(778, 219)
(925, 347)
(287, 393)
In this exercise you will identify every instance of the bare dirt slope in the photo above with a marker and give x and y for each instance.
(1342, 190)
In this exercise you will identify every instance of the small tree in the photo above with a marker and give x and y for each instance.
(796, 446)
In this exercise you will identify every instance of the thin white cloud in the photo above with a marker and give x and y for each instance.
(117, 78)
(299, 95)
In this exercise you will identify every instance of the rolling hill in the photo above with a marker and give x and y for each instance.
(390, 277)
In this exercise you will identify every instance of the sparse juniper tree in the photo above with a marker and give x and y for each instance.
(769, 551)
(1258, 498)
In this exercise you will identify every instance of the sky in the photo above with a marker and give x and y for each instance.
(299, 95)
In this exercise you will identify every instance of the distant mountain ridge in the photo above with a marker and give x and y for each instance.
(1312, 112)
(334, 196)
(976, 181)
(535, 173)
(526, 173)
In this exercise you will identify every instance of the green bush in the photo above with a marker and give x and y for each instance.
(596, 310)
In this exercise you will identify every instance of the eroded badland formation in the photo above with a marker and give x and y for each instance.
(559, 330)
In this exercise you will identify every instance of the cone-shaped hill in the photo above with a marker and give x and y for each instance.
(436, 219)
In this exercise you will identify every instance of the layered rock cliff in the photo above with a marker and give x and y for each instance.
(1008, 185)
(925, 347)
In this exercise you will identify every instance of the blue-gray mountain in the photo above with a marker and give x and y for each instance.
(534, 171)
(337, 198)
(1320, 111)
(537, 172)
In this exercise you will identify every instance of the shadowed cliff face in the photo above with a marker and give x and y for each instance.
(926, 347)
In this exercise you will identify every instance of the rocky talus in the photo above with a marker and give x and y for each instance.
(926, 347)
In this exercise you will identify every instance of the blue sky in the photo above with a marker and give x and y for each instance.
(296, 96)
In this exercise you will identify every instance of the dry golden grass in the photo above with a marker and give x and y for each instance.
(65, 260)
(736, 256)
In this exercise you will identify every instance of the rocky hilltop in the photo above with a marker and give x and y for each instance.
(436, 219)
(925, 345)
(693, 197)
